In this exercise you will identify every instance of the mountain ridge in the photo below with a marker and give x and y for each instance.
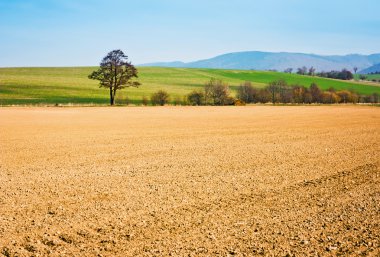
(258, 60)
(372, 69)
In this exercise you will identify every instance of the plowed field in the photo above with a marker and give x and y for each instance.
(190, 181)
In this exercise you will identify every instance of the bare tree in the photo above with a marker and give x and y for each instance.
(302, 71)
(298, 93)
(311, 71)
(217, 93)
(355, 69)
(115, 72)
(275, 88)
(316, 93)
(246, 92)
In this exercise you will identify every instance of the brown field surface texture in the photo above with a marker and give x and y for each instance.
(190, 181)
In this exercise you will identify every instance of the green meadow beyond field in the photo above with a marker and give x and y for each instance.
(24, 86)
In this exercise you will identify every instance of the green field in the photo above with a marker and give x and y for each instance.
(21, 86)
(369, 76)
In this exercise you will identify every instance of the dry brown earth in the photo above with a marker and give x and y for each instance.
(188, 181)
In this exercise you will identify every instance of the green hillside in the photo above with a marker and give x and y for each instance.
(71, 85)
(369, 76)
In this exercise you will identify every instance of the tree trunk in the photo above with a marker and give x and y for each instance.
(114, 96)
(112, 100)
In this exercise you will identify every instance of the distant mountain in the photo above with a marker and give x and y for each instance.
(372, 69)
(255, 60)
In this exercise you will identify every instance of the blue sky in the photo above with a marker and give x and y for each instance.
(81, 32)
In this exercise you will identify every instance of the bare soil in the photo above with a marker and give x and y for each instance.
(190, 181)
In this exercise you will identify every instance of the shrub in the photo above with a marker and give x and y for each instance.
(316, 93)
(308, 98)
(161, 97)
(276, 90)
(177, 101)
(354, 97)
(196, 98)
(376, 98)
(299, 94)
(185, 101)
(144, 101)
(246, 93)
(230, 101)
(217, 93)
(347, 96)
(239, 102)
(344, 96)
(286, 94)
(263, 96)
(330, 97)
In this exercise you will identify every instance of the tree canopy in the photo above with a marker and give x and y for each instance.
(115, 72)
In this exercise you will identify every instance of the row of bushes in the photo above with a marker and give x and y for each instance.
(217, 92)
(280, 92)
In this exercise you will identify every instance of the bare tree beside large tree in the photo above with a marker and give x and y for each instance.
(115, 72)
(275, 88)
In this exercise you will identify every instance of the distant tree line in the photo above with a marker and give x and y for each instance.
(343, 74)
(364, 77)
